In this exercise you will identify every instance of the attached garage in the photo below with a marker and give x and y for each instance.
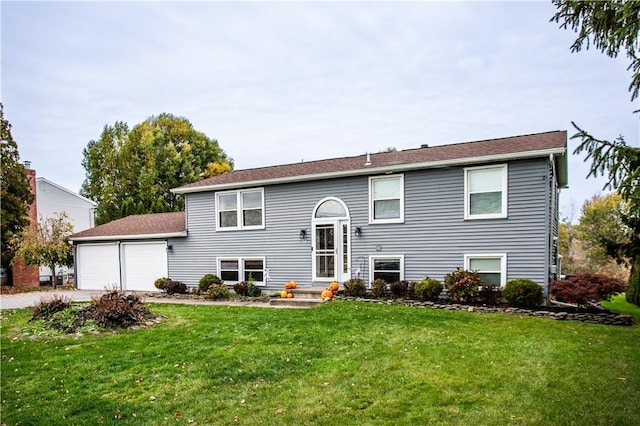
(97, 266)
(142, 264)
(128, 254)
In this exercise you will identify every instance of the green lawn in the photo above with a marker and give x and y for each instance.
(620, 305)
(341, 363)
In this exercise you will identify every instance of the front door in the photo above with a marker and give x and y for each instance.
(332, 251)
(331, 245)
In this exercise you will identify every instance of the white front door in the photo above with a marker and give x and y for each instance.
(331, 250)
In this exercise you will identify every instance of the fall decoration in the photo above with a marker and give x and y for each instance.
(326, 294)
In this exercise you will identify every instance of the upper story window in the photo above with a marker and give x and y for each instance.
(240, 209)
(485, 192)
(386, 199)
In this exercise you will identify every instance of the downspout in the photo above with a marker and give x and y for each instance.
(553, 216)
(120, 264)
(74, 253)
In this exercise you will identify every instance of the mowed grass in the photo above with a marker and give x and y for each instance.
(342, 363)
(620, 305)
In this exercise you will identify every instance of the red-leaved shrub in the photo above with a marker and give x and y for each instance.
(581, 289)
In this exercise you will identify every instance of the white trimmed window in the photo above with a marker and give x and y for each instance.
(388, 268)
(234, 270)
(386, 199)
(240, 210)
(492, 268)
(485, 192)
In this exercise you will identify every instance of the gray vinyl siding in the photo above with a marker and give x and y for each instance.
(433, 238)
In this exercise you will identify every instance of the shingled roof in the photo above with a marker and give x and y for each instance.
(510, 148)
(141, 226)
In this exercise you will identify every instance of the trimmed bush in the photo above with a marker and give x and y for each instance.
(523, 293)
(379, 288)
(253, 290)
(207, 281)
(354, 287)
(217, 291)
(462, 285)
(582, 289)
(490, 295)
(172, 287)
(241, 288)
(399, 289)
(160, 282)
(428, 289)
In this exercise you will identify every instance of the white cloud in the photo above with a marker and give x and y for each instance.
(278, 82)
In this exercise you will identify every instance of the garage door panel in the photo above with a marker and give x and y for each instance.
(98, 266)
(143, 263)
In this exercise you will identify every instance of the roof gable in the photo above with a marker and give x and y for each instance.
(63, 190)
(157, 225)
(516, 147)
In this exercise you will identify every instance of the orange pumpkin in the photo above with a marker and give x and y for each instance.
(283, 294)
(288, 285)
(334, 286)
(293, 284)
(326, 294)
(289, 295)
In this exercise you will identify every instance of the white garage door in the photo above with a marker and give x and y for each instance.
(98, 266)
(142, 264)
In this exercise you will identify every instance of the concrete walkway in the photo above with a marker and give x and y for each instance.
(25, 300)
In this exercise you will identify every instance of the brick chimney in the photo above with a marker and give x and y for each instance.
(24, 275)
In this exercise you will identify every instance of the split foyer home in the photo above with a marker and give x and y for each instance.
(490, 206)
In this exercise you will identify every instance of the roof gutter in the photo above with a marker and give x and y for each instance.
(131, 237)
(373, 170)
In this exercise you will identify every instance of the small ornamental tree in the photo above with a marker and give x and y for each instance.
(582, 289)
(462, 285)
(47, 244)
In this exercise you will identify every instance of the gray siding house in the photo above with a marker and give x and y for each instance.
(489, 205)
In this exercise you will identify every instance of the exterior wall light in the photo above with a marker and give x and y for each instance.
(303, 234)
(358, 231)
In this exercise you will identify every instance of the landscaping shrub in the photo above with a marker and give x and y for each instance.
(428, 289)
(379, 288)
(490, 295)
(160, 282)
(354, 287)
(523, 293)
(241, 288)
(207, 281)
(117, 309)
(46, 308)
(175, 287)
(582, 289)
(253, 290)
(462, 285)
(217, 291)
(399, 289)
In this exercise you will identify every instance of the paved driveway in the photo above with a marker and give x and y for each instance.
(24, 300)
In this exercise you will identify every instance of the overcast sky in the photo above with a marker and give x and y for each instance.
(279, 82)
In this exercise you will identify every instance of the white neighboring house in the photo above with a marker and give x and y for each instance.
(52, 198)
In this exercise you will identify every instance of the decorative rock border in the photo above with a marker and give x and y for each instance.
(605, 318)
